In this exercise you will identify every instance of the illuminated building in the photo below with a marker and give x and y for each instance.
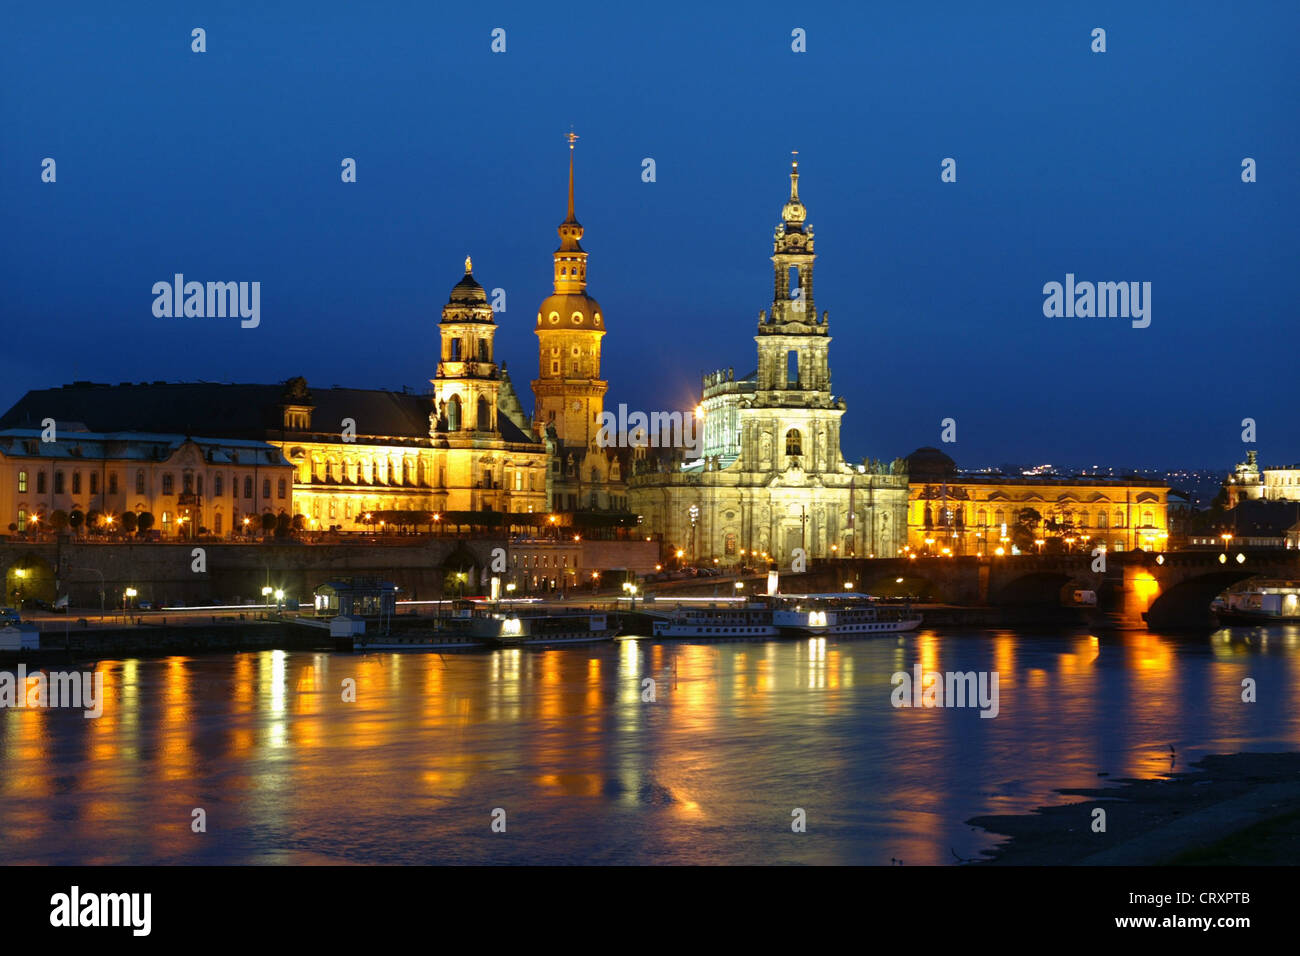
(771, 478)
(350, 452)
(190, 485)
(970, 514)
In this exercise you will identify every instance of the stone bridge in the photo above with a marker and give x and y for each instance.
(1137, 589)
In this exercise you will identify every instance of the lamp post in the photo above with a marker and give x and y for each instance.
(266, 594)
(21, 575)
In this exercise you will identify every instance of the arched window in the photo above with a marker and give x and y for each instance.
(139, 483)
(248, 486)
(281, 488)
(1101, 519)
(793, 442)
(982, 517)
(453, 414)
(169, 484)
(1146, 519)
(1119, 518)
(483, 414)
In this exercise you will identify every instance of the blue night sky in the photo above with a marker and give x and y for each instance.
(1122, 166)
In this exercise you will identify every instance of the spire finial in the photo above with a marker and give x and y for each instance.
(469, 266)
(794, 175)
(572, 138)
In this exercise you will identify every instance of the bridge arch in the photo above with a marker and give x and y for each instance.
(1187, 603)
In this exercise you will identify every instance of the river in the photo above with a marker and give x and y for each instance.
(563, 750)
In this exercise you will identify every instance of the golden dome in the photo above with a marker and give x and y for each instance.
(572, 311)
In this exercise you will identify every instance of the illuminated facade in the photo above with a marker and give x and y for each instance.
(190, 485)
(1248, 482)
(771, 478)
(350, 452)
(973, 514)
(569, 392)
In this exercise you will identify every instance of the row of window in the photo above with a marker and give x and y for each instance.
(191, 484)
(1079, 519)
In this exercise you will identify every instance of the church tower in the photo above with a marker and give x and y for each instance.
(793, 420)
(569, 392)
(467, 381)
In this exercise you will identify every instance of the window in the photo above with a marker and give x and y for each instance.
(281, 489)
(167, 520)
(792, 369)
(266, 488)
(483, 354)
(248, 486)
(217, 485)
(112, 482)
(169, 484)
(139, 482)
(58, 482)
(216, 523)
(40, 482)
(729, 545)
(334, 508)
(453, 414)
(555, 367)
(1119, 519)
(187, 482)
(455, 350)
(94, 482)
(22, 519)
(519, 481)
(1101, 519)
(1146, 519)
(76, 482)
(793, 442)
(22, 482)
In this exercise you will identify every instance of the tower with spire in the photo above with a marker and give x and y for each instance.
(569, 392)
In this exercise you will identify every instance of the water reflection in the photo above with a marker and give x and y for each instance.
(634, 752)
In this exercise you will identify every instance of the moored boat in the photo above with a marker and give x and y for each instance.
(787, 615)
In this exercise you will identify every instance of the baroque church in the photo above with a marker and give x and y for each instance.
(771, 477)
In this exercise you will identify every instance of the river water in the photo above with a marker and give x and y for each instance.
(581, 768)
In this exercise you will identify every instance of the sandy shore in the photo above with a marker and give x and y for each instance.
(1238, 809)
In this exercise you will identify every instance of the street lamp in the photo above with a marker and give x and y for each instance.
(279, 598)
(266, 593)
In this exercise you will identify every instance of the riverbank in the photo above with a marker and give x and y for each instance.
(1233, 810)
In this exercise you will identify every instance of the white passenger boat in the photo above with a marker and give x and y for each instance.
(787, 615)
(720, 622)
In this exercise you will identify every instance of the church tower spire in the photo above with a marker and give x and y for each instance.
(569, 391)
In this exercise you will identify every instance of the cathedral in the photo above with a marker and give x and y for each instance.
(771, 478)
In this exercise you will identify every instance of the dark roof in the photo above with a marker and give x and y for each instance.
(230, 411)
(930, 462)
